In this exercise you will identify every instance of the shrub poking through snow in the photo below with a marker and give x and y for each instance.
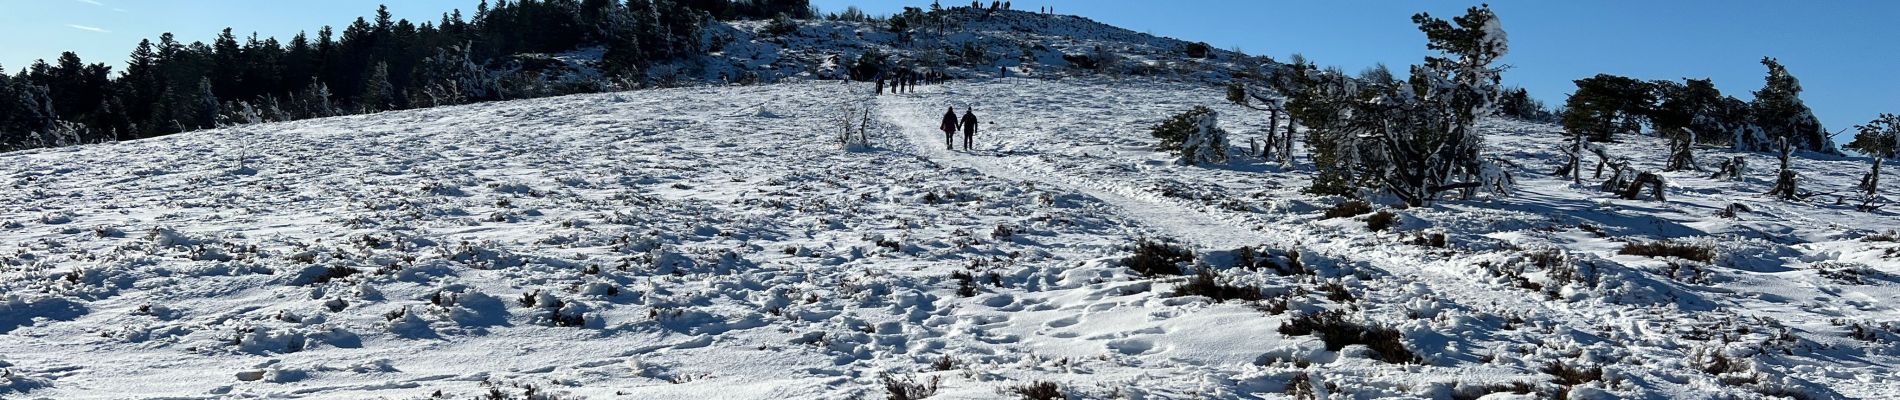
(1381, 221)
(944, 363)
(333, 273)
(1194, 135)
(1332, 328)
(909, 388)
(1039, 390)
(1571, 376)
(1349, 209)
(780, 26)
(1207, 283)
(1285, 263)
(1155, 258)
(1301, 387)
(966, 283)
(1686, 251)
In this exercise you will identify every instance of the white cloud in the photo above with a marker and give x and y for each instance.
(88, 28)
(92, 2)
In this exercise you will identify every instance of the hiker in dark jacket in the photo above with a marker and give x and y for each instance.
(950, 129)
(880, 85)
(969, 126)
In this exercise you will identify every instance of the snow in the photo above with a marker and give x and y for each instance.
(716, 242)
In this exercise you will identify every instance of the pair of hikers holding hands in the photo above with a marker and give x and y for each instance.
(951, 124)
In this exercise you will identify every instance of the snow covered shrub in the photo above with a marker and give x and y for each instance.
(1285, 263)
(1348, 209)
(331, 273)
(1039, 390)
(1155, 258)
(1381, 221)
(1199, 50)
(1194, 135)
(909, 388)
(1849, 273)
(1301, 387)
(1207, 282)
(966, 283)
(1571, 376)
(1333, 328)
(944, 363)
(780, 26)
(1659, 249)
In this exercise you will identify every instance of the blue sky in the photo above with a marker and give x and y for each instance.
(1847, 53)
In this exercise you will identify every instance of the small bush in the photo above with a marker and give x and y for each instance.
(966, 283)
(1571, 376)
(1349, 209)
(1082, 61)
(1381, 221)
(780, 26)
(1199, 50)
(944, 363)
(1207, 283)
(333, 273)
(1430, 239)
(1153, 258)
(1039, 390)
(1285, 263)
(1337, 292)
(1301, 387)
(1686, 251)
(569, 321)
(1890, 236)
(1474, 392)
(1332, 328)
(909, 388)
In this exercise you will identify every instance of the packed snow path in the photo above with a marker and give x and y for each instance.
(920, 114)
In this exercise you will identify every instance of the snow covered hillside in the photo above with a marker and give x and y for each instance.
(972, 44)
(719, 243)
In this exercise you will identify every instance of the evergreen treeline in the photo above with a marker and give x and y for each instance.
(1693, 110)
(372, 64)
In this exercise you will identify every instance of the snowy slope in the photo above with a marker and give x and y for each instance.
(717, 243)
(969, 45)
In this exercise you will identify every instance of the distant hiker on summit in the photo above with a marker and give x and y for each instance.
(880, 86)
(950, 129)
(969, 126)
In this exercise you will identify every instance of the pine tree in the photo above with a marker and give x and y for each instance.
(1194, 135)
(1778, 110)
(1208, 143)
(205, 107)
(377, 93)
(1605, 106)
(1880, 140)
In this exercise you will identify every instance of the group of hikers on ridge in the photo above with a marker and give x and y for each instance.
(905, 81)
(951, 124)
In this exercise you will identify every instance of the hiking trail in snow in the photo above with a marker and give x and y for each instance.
(914, 115)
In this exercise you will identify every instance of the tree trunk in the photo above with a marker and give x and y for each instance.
(1785, 182)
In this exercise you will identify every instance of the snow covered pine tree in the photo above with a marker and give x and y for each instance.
(1416, 139)
(1878, 139)
(1194, 135)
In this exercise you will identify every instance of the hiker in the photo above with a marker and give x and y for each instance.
(950, 129)
(969, 126)
(880, 85)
